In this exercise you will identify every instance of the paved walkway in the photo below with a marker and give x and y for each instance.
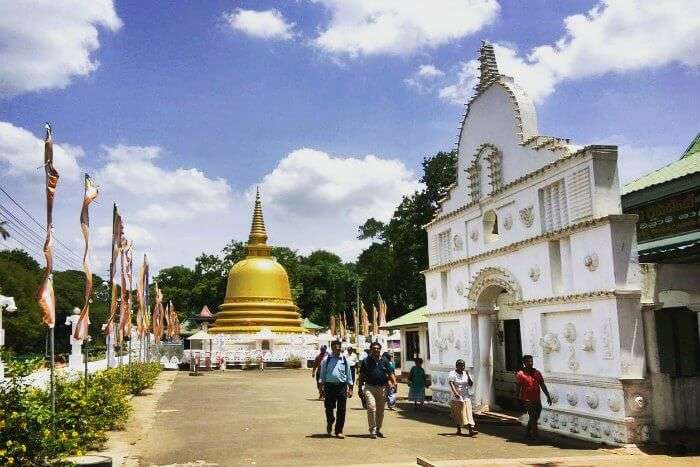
(273, 418)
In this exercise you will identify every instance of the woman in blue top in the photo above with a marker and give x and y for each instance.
(390, 394)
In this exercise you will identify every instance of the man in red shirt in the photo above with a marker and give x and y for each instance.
(529, 382)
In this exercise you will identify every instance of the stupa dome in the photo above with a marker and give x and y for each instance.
(257, 293)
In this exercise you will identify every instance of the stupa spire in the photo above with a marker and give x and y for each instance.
(257, 242)
(487, 65)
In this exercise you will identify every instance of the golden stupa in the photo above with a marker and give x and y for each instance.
(257, 294)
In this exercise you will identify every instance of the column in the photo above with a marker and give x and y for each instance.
(75, 360)
(483, 393)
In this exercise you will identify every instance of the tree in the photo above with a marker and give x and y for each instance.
(404, 252)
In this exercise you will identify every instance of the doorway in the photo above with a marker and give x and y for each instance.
(508, 354)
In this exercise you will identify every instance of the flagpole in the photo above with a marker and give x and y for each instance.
(52, 383)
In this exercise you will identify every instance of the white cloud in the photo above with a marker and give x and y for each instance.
(22, 153)
(423, 80)
(368, 27)
(267, 25)
(613, 37)
(165, 194)
(45, 44)
(315, 200)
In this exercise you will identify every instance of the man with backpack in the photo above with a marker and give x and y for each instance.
(336, 378)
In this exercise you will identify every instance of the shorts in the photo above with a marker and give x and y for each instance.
(534, 409)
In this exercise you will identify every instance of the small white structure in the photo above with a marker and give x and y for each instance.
(413, 337)
(6, 304)
(75, 360)
(530, 254)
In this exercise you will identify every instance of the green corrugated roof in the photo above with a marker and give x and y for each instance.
(688, 164)
(416, 316)
(308, 324)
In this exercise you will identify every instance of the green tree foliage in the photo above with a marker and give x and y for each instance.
(392, 265)
(20, 276)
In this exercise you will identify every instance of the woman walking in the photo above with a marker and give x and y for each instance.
(460, 404)
(417, 383)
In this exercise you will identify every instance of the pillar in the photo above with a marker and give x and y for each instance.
(75, 360)
(483, 394)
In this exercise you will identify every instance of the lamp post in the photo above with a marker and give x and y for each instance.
(6, 304)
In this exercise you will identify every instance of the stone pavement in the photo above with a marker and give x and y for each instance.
(273, 418)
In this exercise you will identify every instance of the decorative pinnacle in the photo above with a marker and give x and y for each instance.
(258, 235)
(488, 65)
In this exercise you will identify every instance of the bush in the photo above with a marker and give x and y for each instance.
(82, 416)
(293, 362)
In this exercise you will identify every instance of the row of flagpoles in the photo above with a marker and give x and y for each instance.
(162, 322)
(361, 323)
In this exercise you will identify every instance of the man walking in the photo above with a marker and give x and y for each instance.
(316, 370)
(529, 382)
(336, 378)
(375, 374)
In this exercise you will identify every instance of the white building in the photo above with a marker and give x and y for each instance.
(530, 254)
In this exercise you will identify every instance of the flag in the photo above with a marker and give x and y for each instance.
(45, 294)
(345, 326)
(341, 325)
(365, 320)
(81, 328)
(356, 322)
(174, 322)
(375, 326)
(332, 325)
(141, 319)
(158, 316)
(382, 310)
(117, 234)
(126, 284)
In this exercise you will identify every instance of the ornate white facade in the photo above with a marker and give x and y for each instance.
(533, 231)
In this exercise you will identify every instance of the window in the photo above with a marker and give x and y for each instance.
(491, 227)
(555, 214)
(444, 247)
(412, 345)
(677, 338)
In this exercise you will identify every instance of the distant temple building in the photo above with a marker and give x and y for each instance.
(530, 253)
(258, 318)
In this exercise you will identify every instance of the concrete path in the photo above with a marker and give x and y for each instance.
(273, 418)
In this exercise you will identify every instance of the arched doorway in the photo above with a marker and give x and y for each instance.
(491, 293)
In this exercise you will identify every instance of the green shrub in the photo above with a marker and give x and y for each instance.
(293, 362)
(29, 435)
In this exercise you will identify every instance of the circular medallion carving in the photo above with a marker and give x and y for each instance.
(591, 262)
(527, 216)
(614, 403)
(592, 400)
(534, 273)
(572, 398)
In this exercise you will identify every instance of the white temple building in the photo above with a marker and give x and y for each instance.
(530, 254)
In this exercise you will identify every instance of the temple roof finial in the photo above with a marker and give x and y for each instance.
(258, 235)
(488, 65)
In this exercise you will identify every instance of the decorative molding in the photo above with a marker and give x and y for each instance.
(474, 176)
(489, 276)
(534, 273)
(592, 400)
(456, 311)
(581, 297)
(572, 398)
(591, 261)
(572, 362)
(508, 221)
(588, 341)
(460, 289)
(458, 243)
(606, 333)
(474, 235)
(615, 403)
(554, 395)
(551, 235)
(527, 216)
(569, 332)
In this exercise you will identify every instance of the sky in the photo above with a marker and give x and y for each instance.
(179, 110)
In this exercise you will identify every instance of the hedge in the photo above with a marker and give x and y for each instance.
(27, 434)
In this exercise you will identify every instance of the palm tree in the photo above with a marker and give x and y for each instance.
(3, 231)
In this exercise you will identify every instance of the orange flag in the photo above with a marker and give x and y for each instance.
(375, 325)
(126, 273)
(117, 235)
(158, 316)
(365, 320)
(81, 329)
(45, 294)
(332, 325)
(141, 320)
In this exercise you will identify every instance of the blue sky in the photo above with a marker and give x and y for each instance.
(180, 109)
